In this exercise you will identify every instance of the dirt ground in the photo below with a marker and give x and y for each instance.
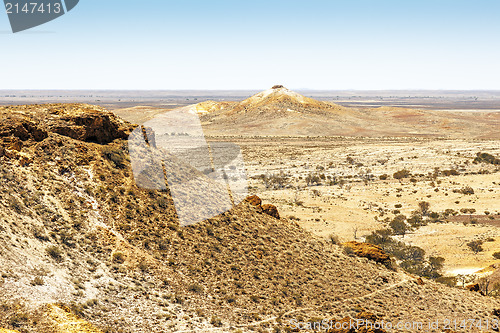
(350, 200)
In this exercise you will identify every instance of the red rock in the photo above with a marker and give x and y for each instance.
(254, 200)
(370, 251)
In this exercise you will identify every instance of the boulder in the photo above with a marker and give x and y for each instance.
(271, 210)
(254, 200)
(370, 251)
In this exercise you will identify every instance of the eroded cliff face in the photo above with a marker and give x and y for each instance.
(78, 121)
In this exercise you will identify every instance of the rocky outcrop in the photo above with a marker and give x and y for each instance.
(99, 127)
(268, 209)
(24, 126)
(78, 121)
(370, 251)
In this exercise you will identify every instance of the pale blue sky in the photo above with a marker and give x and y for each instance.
(253, 44)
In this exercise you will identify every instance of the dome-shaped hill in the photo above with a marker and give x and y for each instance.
(276, 99)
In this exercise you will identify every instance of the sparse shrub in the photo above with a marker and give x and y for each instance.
(496, 255)
(215, 321)
(451, 172)
(230, 299)
(384, 176)
(116, 156)
(255, 298)
(196, 288)
(486, 158)
(434, 215)
(348, 251)
(424, 207)
(118, 257)
(18, 319)
(476, 246)
(401, 174)
(15, 204)
(467, 190)
(275, 181)
(40, 234)
(313, 179)
(143, 266)
(412, 258)
(37, 281)
(55, 252)
(334, 239)
(449, 212)
(379, 237)
(178, 299)
(416, 220)
(398, 225)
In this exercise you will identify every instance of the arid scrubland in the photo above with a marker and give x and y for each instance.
(346, 187)
(85, 249)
